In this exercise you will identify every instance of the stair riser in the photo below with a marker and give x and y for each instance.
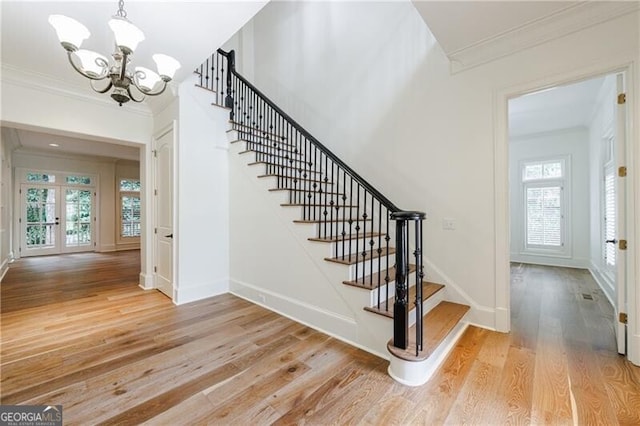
(357, 246)
(373, 300)
(366, 268)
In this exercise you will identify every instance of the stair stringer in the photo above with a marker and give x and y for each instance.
(332, 307)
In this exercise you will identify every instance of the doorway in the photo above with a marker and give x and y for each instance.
(56, 218)
(566, 186)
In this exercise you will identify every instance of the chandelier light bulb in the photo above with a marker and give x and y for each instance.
(93, 63)
(146, 78)
(167, 66)
(71, 33)
(128, 36)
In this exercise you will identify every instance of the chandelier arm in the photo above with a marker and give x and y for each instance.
(149, 92)
(105, 90)
(84, 74)
(132, 97)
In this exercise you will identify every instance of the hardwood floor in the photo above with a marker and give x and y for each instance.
(78, 331)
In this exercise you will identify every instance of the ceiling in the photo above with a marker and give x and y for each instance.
(475, 32)
(187, 30)
(26, 140)
(562, 107)
(476, 21)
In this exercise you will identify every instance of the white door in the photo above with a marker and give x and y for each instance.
(620, 222)
(78, 219)
(40, 220)
(163, 206)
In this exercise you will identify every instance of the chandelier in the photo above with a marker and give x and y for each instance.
(117, 73)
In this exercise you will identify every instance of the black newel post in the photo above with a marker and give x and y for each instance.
(401, 306)
(231, 66)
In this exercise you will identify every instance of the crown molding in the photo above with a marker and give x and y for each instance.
(45, 83)
(556, 25)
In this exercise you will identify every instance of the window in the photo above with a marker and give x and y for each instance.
(78, 180)
(40, 177)
(129, 208)
(543, 193)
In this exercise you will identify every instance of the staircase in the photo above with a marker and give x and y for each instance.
(378, 246)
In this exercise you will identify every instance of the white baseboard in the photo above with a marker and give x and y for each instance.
(633, 350)
(127, 246)
(564, 262)
(184, 295)
(106, 248)
(146, 281)
(336, 325)
(605, 285)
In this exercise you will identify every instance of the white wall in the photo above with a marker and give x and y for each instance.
(201, 234)
(369, 81)
(36, 103)
(6, 201)
(602, 121)
(574, 145)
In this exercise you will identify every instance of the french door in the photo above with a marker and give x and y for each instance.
(56, 219)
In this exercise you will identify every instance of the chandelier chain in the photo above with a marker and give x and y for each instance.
(121, 12)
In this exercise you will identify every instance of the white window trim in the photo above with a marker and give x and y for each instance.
(121, 239)
(565, 250)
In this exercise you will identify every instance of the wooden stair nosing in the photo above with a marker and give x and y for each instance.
(428, 290)
(374, 278)
(340, 238)
(334, 206)
(437, 324)
(357, 257)
(338, 220)
(296, 178)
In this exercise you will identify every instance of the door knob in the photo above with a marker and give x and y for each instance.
(169, 236)
(614, 241)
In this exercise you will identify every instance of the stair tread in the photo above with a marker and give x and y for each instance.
(386, 309)
(255, 163)
(334, 206)
(355, 258)
(250, 151)
(330, 220)
(297, 178)
(438, 322)
(364, 283)
(318, 191)
(248, 128)
(339, 238)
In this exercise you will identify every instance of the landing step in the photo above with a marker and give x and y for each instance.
(437, 324)
(386, 309)
(348, 237)
(370, 281)
(354, 258)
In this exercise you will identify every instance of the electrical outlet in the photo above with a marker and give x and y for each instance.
(448, 224)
